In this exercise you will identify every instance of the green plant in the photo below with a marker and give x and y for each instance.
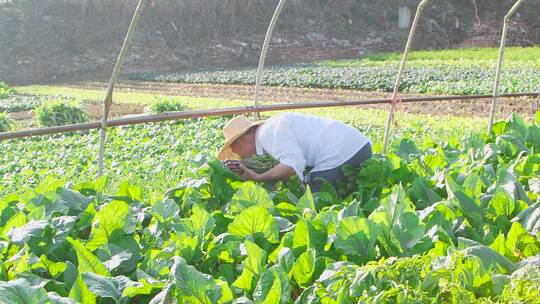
(17, 103)
(5, 122)
(163, 105)
(60, 112)
(5, 90)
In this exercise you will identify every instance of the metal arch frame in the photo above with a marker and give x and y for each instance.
(509, 15)
(107, 102)
(399, 76)
(264, 51)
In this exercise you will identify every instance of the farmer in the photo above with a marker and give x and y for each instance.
(299, 142)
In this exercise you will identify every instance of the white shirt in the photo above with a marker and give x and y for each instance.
(301, 141)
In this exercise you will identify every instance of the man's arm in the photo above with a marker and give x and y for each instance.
(279, 172)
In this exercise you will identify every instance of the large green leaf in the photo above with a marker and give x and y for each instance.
(502, 203)
(117, 260)
(202, 221)
(465, 200)
(411, 234)
(424, 193)
(309, 234)
(122, 254)
(88, 262)
(192, 285)
(165, 210)
(490, 258)
(306, 202)
(62, 225)
(115, 215)
(533, 137)
(400, 228)
(285, 259)
(80, 292)
(164, 297)
(521, 242)
(516, 124)
(392, 207)
(54, 269)
(304, 267)
(257, 223)
(129, 193)
(357, 237)
(499, 245)
(107, 287)
(145, 286)
(406, 149)
(20, 292)
(250, 194)
(224, 247)
(32, 229)
(71, 200)
(507, 181)
(273, 287)
(253, 267)
(15, 221)
(530, 218)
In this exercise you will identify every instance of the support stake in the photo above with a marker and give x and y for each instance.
(107, 102)
(499, 65)
(266, 44)
(400, 72)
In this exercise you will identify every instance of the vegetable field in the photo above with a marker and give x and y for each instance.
(450, 215)
(438, 220)
(156, 156)
(458, 72)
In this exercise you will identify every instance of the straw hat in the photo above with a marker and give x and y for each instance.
(235, 128)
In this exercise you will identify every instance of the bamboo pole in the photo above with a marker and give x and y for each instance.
(140, 119)
(107, 102)
(264, 51)
(499, 65)
(419, 10)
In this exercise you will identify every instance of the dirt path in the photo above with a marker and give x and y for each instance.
(524, 106)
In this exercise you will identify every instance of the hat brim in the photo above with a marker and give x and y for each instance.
(226, 152)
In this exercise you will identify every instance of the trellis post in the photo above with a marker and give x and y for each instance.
(419, 10)
(499, 65)
(264, 50)
(107, 102)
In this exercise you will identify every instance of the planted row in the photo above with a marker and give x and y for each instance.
(439, 77)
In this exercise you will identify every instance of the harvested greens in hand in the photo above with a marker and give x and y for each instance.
(257, 163)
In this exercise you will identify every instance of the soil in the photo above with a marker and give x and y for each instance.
(523, 106)
(526, 107)
(95, 109)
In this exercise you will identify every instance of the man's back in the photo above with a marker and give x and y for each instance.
(305, 140)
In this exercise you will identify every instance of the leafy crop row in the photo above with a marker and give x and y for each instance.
(156, 156)
(450, 222)
(17, 103)
(435, 77)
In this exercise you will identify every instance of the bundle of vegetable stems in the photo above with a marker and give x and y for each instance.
(257, 163)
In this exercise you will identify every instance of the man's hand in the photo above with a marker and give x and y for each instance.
(234, 166)
(250, 174)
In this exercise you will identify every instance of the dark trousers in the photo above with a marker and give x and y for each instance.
(336, 175)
